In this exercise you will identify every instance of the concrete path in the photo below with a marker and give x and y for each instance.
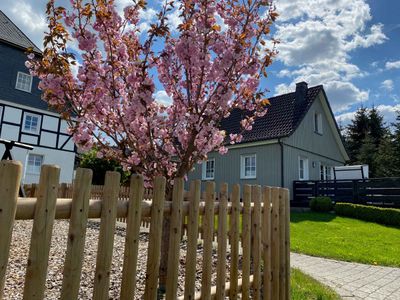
(351, 280)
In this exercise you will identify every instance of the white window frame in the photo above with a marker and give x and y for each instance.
(28, 114)
(19, 86)
(243, 174)
(325, 172)
(306, 173)
(318, 123)
(204, 169)
(29, 168)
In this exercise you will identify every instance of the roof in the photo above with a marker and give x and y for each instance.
(281, 120)
(11, 34)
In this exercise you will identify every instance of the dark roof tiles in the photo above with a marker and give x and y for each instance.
(282, 118)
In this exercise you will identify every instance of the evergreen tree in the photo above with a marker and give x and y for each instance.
(356, 133)
(367, 154)
(385, 158)
(376, 127)
(396, 145)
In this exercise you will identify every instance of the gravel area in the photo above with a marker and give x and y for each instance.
(20, 248)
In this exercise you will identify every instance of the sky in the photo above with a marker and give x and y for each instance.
(351, 47)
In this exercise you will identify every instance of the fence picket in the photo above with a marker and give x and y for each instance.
(266, 242)
(192, 234)
(282, 251)
(234, 238)
(133, 219)
(154, 248)
(175, 239)
(76, 234)
(246, 241)
(36, 270)
(106, 236)
(222, 240)
(287, 243)
(208, 236)
(256, 245)
(275, 245)
(10, 177)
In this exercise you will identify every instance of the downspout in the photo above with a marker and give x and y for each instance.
(282, 164)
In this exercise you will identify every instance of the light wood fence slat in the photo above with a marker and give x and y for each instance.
(287, 243)
(154, 248)
(175, 239)
(10, 177)
(275, 244)
(234, 238)
(133, 219)
(76, 234)
(192, 234)
(282, 249)
(222, 241)
(208, 236)
(266, 242)
(256, 245)
(106, 236)
(246, 242)
(42, 227)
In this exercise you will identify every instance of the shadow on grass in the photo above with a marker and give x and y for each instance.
(297, 217)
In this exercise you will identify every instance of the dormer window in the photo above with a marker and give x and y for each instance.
(318, 123)
(24, 82)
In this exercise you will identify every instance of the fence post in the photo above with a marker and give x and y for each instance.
(208, 233)
(256, 245)
(76, 234)
(282, 244)
(287, 242)
(355, 192)
(175, 238)
(234, 237)
(133, 220)
(106, 235)
(10, 177)
(42, 228)
(266, 242)
(246, 242)
(275, 245)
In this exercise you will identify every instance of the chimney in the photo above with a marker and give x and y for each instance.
(301, 94)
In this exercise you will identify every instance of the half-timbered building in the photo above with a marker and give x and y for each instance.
(24, 116)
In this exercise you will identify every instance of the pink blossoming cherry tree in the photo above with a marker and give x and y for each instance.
(210, 64)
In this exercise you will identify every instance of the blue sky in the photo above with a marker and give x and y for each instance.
(349, 46)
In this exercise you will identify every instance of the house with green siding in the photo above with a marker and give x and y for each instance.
(298, 139)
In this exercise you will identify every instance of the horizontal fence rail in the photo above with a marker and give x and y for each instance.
(383, 192)
(251, 231)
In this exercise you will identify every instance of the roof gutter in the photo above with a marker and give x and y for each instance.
(282, 163)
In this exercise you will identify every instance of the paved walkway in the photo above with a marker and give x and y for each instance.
(351, 280)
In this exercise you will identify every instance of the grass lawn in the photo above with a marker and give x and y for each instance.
(328, 235)
(304, 287)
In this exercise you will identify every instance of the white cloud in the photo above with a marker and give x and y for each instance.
(163, 98)
(392, 65)
(317, 39)
(387, 85)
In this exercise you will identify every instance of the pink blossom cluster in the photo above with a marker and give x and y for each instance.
(208, 69)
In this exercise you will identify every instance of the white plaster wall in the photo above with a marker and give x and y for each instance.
(48, 139)
(50, 123)
(12, 114)
(65, 160)
(29, 139)
(9, 132)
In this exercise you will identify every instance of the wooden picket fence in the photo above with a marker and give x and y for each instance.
(257, 229)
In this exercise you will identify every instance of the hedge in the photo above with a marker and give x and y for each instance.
(321, 204)
(385, 216)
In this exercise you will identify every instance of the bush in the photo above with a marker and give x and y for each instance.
(321, 204)
(385, 216)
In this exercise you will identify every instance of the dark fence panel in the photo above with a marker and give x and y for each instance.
(383, 192)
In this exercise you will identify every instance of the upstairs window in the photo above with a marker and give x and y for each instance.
(31, 123)
(318, 123)
(208, 169)
(248, 166)
(24, 82)
(303, 168)
(34, 164)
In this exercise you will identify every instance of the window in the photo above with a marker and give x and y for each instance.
(24, 82)
(34, 163)
(208, 169)
(303, 168)
(31, 123)
(248, 166)
(325, 172)
(318, 123)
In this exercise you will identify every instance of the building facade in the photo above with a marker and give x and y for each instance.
(298, 139)
(24, 117)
